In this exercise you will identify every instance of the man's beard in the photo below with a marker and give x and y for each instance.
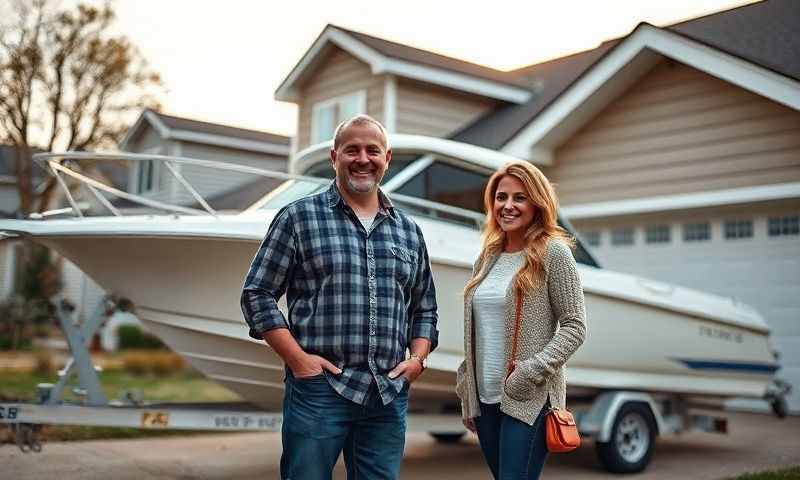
(360, 188)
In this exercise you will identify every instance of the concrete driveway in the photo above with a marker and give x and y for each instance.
(756, 442)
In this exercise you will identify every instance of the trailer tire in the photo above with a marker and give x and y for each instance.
(447, 438)
(630, 445)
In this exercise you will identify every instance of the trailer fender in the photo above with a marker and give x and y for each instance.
(599, 420)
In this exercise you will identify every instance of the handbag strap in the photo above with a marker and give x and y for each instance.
(516, 333)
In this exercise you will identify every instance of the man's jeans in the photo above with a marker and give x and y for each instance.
(513, 449)
(318, 424)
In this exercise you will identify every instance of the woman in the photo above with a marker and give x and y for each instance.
(525, 255)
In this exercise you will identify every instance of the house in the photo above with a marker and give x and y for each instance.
(160, 134)
(675, 150)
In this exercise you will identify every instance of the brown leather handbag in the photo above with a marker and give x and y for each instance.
(561, 431)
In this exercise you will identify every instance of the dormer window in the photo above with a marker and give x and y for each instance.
(326, 115)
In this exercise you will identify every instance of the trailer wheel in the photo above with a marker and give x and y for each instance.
(632, 438)
(447, 438)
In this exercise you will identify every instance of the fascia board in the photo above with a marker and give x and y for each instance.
(667, 203)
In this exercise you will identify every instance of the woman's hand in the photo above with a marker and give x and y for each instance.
(470, 424)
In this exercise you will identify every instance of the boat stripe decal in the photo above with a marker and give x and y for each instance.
(729, 365)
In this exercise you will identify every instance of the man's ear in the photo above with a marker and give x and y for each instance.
(333, 158)
(388, 156)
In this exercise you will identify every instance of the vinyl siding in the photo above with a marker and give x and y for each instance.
(434, 111)
(339, 74)
(678, 131)
(208, 181)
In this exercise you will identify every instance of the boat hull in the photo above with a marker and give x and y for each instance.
(187, 289)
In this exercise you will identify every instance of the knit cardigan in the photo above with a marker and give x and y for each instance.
(552, 327)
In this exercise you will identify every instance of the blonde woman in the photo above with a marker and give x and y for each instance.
(525, 255)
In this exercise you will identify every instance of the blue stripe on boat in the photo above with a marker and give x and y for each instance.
(729, 365)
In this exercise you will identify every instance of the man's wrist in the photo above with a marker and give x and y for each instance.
(421, 359)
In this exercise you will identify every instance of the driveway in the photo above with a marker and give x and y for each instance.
(756, 442)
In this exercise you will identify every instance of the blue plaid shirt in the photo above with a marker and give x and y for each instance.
(355, 297)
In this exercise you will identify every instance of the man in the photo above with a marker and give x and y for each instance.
(358, 283)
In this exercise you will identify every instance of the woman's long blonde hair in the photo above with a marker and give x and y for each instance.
(543, 228)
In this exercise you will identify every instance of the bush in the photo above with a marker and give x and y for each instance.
(132, 337)
(43, 363)
(150, 362)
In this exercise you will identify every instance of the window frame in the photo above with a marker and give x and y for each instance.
(615, 236)
(696, 239)
(360, 97)
(653, 234)
(784, 230)
(734, 229)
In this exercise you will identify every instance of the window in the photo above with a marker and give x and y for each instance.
(328, 114)
(658, 234)
(622, 236)
(738, 229)
(592, 238)
(145, 177)
(781, 226)
(447, 184)
(696, 232)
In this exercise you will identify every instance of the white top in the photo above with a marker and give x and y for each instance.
(367, 222)
(488, 306)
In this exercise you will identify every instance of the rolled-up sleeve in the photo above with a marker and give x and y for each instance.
(423, 310)
(268, 276)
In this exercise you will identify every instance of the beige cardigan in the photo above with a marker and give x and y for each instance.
(552, 327)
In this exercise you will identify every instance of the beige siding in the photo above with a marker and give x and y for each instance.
(208, 181)
(339, 74)
(438, 112)
(6, 268)
(679, 131)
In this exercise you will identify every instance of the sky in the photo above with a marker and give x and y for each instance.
(221, 61)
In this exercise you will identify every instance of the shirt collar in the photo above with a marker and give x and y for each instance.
(335, 198)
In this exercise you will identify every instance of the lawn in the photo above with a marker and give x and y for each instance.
(180, 386)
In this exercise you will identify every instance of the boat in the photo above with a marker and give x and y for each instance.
(183, 269)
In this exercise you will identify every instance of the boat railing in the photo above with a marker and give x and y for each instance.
(67, 165)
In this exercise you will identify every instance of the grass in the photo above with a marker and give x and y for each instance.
(792, 473)
(179, 386)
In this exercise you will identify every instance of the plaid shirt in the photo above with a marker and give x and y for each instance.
(355, 297)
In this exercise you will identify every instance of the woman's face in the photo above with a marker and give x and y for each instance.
(513, 209)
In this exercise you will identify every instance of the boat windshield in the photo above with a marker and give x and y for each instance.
(289, 191)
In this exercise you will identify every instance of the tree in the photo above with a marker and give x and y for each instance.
(65, 84)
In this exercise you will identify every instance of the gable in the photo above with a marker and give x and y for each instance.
(678, 131)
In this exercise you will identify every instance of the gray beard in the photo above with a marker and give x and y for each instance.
(360, 189)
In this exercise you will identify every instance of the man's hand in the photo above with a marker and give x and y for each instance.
(470, 424)
(307, 365)
(411, 369)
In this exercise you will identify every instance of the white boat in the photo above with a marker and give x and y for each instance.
(184, 274)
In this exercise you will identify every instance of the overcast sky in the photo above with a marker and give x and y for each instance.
(221, 61)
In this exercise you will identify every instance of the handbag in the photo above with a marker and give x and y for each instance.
(561, 431)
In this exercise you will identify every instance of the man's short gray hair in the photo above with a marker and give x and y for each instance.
(361, 119)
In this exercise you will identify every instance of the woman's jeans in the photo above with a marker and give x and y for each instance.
(319, 424)
(512, 448)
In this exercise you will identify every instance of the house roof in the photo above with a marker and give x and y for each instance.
(170, 127)
(416, 55)
(190, 125)
(390, 58)
(763, 34)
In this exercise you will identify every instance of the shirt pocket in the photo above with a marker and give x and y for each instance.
(403, 263)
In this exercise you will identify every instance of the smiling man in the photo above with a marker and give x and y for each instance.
(362, 314)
